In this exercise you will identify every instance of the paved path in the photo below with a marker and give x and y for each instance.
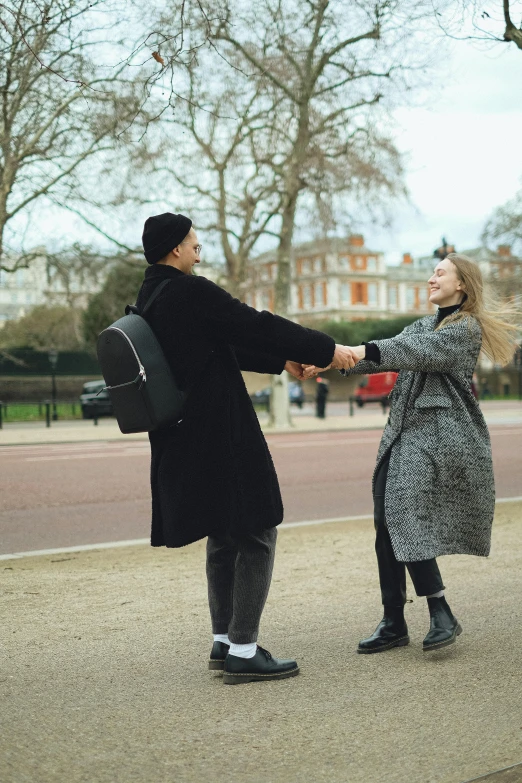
(104, 675)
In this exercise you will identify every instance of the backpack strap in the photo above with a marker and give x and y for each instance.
(157, 291)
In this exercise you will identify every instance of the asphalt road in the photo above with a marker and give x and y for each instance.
(60, 495)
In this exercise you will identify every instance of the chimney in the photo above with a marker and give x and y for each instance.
(407, 259)
(356, 240)
(504, 250)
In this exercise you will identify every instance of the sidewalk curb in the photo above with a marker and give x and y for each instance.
(143, 541)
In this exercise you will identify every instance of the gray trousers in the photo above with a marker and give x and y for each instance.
(239, 572)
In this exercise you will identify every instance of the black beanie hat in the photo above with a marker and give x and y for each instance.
(162, 233)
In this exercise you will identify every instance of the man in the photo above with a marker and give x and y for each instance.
(212, 474)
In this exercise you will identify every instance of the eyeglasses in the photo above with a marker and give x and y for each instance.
(197, 248)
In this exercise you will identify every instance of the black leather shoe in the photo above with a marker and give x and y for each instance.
(444, 626)
(261, 667)
(392, 631)
(217, 655)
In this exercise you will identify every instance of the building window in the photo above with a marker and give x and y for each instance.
(392, 297)
(423, 298)
(359, 262)
(307, 297)
(344, 262)
(318, 265)
(318, 295)
(14, 298)
(20, 278)
(346, 293)
(358, 293)
(372, 294)
(265, 273)
(273, 271)
(305, 267)
(410, 298)
(371, 266)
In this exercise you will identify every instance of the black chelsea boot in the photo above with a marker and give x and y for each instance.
(392, 631)
(444, 626)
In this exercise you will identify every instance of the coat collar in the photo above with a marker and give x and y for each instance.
(161, 271)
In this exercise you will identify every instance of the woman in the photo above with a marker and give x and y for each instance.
(433, 484)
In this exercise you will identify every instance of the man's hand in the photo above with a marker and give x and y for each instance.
(345, 358)
(295, 369)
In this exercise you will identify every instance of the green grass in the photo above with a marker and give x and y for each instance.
(502, 397)
(13, 411)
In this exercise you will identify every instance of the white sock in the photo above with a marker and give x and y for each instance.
(222, 637)
(436, 595)
(243, 650)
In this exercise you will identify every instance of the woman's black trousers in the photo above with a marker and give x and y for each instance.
(424, 574)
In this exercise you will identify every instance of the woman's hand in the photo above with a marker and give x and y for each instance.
(310, 370)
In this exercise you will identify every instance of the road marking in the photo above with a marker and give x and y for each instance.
(497, 774)
(138, 451)
(141, 541)
(333, 442)
(96, 455)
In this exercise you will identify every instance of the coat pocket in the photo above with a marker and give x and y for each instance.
(432, 401)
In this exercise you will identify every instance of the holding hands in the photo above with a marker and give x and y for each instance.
(344, 358)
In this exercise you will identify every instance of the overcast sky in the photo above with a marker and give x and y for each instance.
(465, 152)
(464, 157)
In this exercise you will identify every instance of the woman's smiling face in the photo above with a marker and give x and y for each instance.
(445, 287)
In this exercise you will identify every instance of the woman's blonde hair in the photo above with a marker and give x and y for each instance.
(497, 318)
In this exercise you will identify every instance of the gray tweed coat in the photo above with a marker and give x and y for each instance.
(440, 492)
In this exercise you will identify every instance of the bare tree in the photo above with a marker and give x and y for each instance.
(493, 21)
(328, 64)
(64, 114)
(505, 225)
(220, 165)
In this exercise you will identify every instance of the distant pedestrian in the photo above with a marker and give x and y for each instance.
(321, 393)
(212, 474)
(433, 483)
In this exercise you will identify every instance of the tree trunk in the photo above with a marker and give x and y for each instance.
(280, 404)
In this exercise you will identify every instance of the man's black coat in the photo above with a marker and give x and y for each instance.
(213, 473)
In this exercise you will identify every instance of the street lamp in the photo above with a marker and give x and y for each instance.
(53, 359)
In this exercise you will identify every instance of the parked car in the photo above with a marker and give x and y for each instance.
(95, 401)
(295, 395)
(375, 388)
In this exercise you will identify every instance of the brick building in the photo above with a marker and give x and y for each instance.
(334, 279)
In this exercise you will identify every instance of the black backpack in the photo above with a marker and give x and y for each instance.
(143, 392)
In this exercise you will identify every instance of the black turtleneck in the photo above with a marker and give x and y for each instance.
(373, 353)
(443, 312)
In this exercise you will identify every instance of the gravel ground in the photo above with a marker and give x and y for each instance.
(105, 680)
